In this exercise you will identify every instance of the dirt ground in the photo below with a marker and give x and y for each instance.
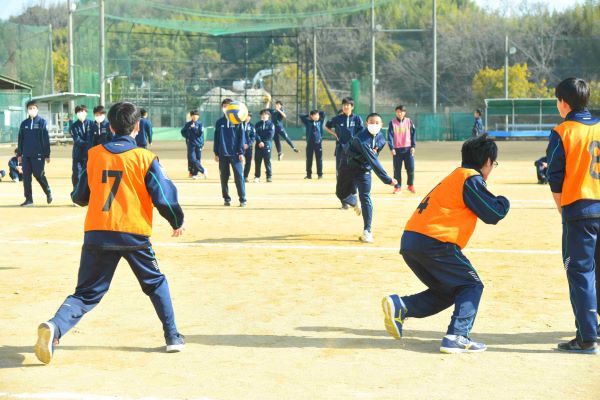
(280, 301)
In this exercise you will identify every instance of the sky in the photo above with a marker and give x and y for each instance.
(14, 7)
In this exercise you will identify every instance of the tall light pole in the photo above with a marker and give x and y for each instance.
(434, 79)
(71, 86)
(373, 79)
(315, 90)
(102, 73)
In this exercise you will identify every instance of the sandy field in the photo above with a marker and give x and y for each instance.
(279, 300)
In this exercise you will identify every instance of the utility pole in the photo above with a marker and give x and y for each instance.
(71, 88)
(51, 59)
(315, 71)
(373, 81)
(506, 67)
(102, 73)
(434, 80)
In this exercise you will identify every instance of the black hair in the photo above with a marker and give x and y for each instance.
(226, 102)
(348, 100)
(31, 103)
(16, 150)
(249, 114)
(575, 92)
(99, 110)
(81, 107)
(401, 107)
(313, 112)
(265, 111)
(194, 112)
(143, 112)
(372, 115)
(124, 117)
(478, 111)
(477, 150)
(279, 102)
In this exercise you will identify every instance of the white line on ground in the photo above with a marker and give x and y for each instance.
(79, 396)
(358, 247)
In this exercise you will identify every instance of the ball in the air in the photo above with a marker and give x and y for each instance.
(236, 112)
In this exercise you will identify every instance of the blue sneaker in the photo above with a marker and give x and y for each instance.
(394, 312)
(44, 347)
(579, 347)
(461, 345)
(175, 343)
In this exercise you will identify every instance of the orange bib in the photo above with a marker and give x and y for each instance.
(443, 214)
(582, 169)
(119, 200)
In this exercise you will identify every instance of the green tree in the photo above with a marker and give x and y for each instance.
(489, 83)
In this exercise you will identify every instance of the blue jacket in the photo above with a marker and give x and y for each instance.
(477, 127)
(557, 167)
(488, 208)
(80, 132)
(144, 136)
(33, 140)
(346, 127)
(314, 129)
(277, 118)
(194, 136)
(13, 163)
(159, 186)
(100, 134)
(362, 154)
(413, 136)
(265, 131)
(229, 139)
(249, 133)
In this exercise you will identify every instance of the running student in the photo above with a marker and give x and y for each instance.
(432, 244)
(313, 122)
(229, 152)
(121, 185)
(355, 172)
(249, 139)
(402, 142)
(574, 177)
(278, 115)
(33, 152)
(265, 131)
(193, 132)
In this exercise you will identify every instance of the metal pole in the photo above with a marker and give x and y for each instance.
(102, 73)
(51, 59)
(372, 55)
(71, 87)
(315, 90)
(434, 80)
(506, 67)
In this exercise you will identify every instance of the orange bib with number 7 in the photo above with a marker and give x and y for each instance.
(119, 200)
(582, 166)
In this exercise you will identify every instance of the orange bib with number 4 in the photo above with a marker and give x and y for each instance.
(119, 200)
(582, 165)
(443, 214)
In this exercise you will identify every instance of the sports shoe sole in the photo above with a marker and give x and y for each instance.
(357, 209)
(588, 351)
(453, 350)
(388, 312)
(43, 346)
(175, 348)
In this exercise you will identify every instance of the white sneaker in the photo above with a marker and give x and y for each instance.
(194, 177)
(357, 209)
(367, 237)
(205, 173)
(256, 180)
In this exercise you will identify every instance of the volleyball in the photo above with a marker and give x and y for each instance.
(236, 112)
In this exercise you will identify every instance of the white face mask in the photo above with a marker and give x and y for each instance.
(374, 129)
(99, 118)
(32, 112)
(264, 119)
(81, 115)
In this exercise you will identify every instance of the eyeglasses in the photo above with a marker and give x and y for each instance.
(495, 164)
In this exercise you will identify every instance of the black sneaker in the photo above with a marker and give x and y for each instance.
(296, 150)
(345, 206)
(27, 203)
(269, 179)
(175, 343)
(320, 176)
(575, 346)
(308, 177)
(279, 156)
(227, 203)
(49, 198)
